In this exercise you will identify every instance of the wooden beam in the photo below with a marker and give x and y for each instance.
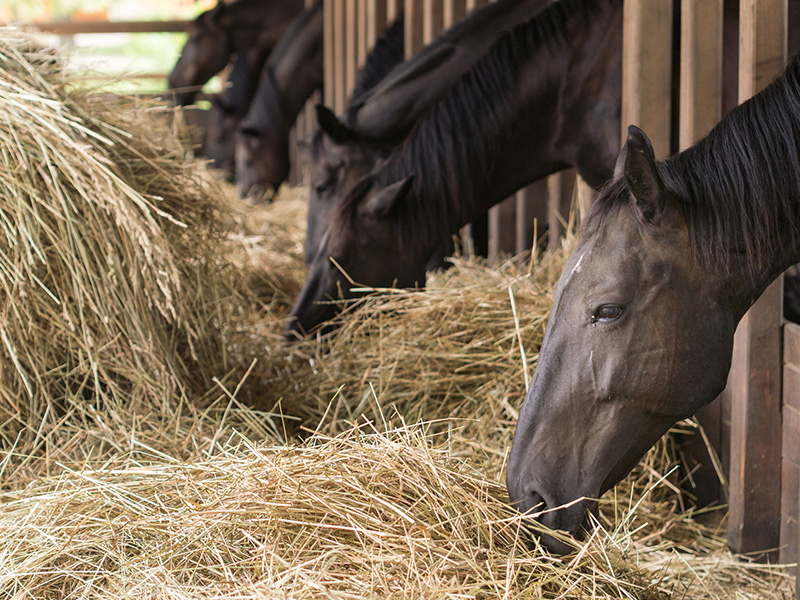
(755, 381)
(531, 217)
(377, 19)
(560, 190)
(701, 109)
(351, 35)
(647, 70)
(339, 56)
(454, 11)
(415, 23)
(701, 69)
(502, 229)
(75, 27)
(790, 464)
(329, 66)
(434, 20)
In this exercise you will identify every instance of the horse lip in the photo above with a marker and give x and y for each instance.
(255, 194)
(570, 519)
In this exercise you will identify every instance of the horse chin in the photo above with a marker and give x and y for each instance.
(559, 530)
(255, 195)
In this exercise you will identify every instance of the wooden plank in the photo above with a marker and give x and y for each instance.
(560, 190)
(339, 56)
(454, 11)
(502, 229)
(473, 4)
(790, 446)
(647, 70)
(393, 8)
(701, 69)
(701, 109)
(376, 18)
(362, 40)
(531, 215)
(75, 27)
(351, 35)
(791, 345)
(584, 196)
(755, 381)
(329, 66)
(415, 23)
(433, 22)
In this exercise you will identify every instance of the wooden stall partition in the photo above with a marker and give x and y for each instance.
(453, 11)
(415, 26)
(647, 70)
(700, 109)
(376, 18)
(790, 462)
(560, 191)
(755, 380)
(531, 215)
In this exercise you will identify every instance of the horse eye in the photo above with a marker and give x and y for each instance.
(324, 186)
(606, 313)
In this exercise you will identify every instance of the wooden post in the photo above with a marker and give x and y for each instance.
(647, 70)
(339, 55)
(473, 4)
(351, 35)
(376, 20)
(415, 19)
(329, 71)
(434, 20)
(532, 215)
(560, 189)
(454, 11)
(790, 465)
(700, 110)
(755, 381)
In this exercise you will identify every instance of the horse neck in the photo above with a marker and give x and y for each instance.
(255, 23)
(740, 190)
(532, 135)
(298, 70)
(243, 81)
(390, 108)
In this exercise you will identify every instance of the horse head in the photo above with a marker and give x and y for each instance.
(205, 54)
(337, 159)
(360, 247)
(221, 135)
(640, 336)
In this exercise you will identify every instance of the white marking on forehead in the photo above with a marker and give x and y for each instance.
(576, 268)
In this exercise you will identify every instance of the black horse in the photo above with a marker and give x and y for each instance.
(223, 31)
(641, 331)
(544, 98)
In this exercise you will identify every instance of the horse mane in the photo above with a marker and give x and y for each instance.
(388, 52)
(739, 186)
(462, 133)
(242, 82)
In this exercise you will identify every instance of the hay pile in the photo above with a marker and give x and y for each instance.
(114, 294)
(141, 318)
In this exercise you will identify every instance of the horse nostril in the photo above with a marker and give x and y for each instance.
(534, 503)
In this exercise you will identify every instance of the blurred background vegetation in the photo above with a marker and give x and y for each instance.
(120, 62)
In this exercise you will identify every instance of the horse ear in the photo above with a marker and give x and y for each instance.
(637, 164)
(331, 125)
(381, 203)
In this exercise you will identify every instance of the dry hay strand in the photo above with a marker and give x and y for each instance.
(114, 296)
(461, 351)
(361, 515)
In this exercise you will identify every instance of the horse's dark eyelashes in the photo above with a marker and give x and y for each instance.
(324, 186)
(607, 313)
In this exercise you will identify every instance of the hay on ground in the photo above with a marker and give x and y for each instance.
(141, 319)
